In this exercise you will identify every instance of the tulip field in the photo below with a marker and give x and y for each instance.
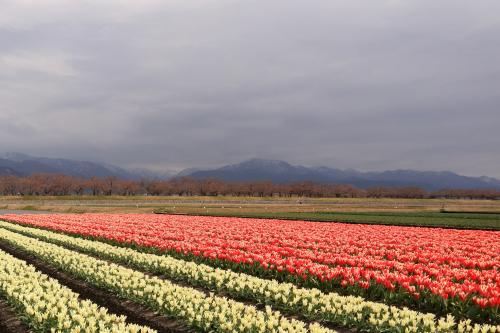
(224, 274)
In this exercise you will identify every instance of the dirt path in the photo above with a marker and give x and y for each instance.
(23, 212)
(9, 320)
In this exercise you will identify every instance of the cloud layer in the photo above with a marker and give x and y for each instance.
(172, 84)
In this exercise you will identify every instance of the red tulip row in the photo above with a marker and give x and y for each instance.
(460, 268)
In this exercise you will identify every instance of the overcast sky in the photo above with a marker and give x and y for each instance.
(370, 85)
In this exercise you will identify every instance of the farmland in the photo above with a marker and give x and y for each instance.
(229, 274)
(459, 213)
(458, 220)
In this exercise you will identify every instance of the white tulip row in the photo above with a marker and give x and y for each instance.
(47, 306)
(312, 303)
(207, 313)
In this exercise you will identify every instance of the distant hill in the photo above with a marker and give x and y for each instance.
(283, 172)
(23, 165)
(251, 170)
(4, 170)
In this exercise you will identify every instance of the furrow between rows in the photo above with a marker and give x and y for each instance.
(10, 321)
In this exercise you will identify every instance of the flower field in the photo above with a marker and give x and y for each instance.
(250, 275)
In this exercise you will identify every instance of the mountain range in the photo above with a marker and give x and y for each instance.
(254, 169)
(280, 171)
(23, 165)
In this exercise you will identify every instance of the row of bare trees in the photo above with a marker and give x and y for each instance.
(59, 184)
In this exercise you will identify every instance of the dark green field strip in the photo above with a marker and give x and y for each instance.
(438, 215)
(441, 220)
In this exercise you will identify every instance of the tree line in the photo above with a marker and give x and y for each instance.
(60, 184)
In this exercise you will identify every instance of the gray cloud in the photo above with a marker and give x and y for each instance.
(173, 84)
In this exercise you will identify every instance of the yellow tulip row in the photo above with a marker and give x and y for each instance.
(47, 306)
(206, 313)
(312, 303)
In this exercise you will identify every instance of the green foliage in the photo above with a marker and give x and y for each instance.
(29, 207)
(420, 219)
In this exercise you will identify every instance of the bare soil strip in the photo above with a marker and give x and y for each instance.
(136, 314)
(9, 320)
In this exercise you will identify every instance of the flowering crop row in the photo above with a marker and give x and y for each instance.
(342, 310)
(47, 306)
(438, 270)
(210, 313)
